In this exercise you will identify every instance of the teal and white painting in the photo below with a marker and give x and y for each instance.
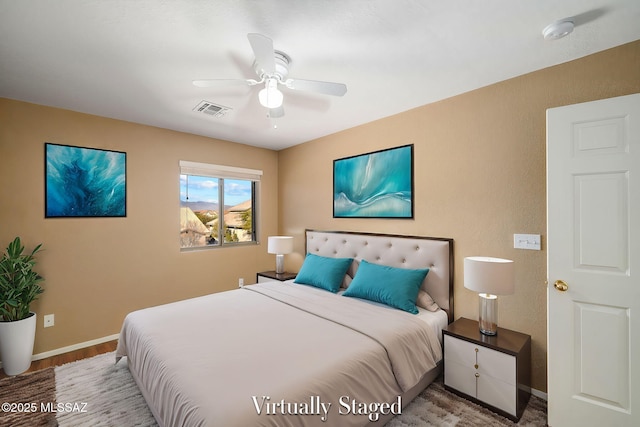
(374, 185)
(84, 182)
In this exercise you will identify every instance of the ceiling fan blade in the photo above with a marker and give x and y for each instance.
(224, 82)
(263, 50)
(274, 113)
(327, 88)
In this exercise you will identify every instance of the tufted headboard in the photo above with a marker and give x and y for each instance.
(395, 251)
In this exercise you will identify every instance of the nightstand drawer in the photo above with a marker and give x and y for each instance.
(493, 363)
(459, 376)
(497, 393)
(490, 390)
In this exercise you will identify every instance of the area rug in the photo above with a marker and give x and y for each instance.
(435, 406)
(23, 397)
(96, 392)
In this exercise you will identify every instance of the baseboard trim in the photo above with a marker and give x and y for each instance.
(541, 394)
(74, 347)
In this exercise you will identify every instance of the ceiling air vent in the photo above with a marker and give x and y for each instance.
(211, 109)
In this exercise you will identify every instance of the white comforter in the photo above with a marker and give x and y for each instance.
(274, 354)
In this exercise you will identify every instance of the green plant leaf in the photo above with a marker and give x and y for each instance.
(19, 283)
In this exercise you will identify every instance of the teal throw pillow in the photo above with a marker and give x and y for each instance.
(395, 287)
(323, 272)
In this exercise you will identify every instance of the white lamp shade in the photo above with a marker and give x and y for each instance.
(488, 275)
(280, 245)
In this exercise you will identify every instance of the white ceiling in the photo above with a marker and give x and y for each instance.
(135, 60)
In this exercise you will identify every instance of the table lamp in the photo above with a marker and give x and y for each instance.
(280, 245)
(490, 277)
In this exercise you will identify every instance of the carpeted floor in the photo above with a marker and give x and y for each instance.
(435, 406)
(96, 393)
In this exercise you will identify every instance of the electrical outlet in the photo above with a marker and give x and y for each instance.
(240, 282)
(48, 320)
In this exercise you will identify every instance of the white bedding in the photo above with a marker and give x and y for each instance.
(220, 359)
(436, 320)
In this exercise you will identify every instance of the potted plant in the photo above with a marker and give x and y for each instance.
(19, 287)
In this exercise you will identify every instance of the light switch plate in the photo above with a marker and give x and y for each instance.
(526, 241)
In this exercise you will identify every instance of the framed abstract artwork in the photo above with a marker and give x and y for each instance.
(374, 185)
(84, 182)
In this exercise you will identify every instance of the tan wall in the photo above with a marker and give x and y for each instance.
(99, 269)
(479, 177)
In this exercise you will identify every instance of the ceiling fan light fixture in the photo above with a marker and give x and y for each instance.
(272, 69)
(270, 96)
(558, 29)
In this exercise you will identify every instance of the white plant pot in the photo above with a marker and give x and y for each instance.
(16, 344)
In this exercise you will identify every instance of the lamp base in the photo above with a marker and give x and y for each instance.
(279, 264)
(488, 314)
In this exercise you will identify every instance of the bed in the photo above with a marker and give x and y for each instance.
(291, 354)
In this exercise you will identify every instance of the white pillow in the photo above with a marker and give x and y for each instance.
(425, 301)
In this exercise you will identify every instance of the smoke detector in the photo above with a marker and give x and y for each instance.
(558, 29)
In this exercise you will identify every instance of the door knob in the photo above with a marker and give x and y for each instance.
(560, 285)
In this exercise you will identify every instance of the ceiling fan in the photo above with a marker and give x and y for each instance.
(272, 68)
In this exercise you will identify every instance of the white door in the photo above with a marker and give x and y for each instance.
(593, 236)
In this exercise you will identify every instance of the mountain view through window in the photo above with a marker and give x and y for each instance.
(216, 211)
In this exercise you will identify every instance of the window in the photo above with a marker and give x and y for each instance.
(217, 205)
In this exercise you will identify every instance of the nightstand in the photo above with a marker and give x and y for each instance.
(494, 371)
(268, 276)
